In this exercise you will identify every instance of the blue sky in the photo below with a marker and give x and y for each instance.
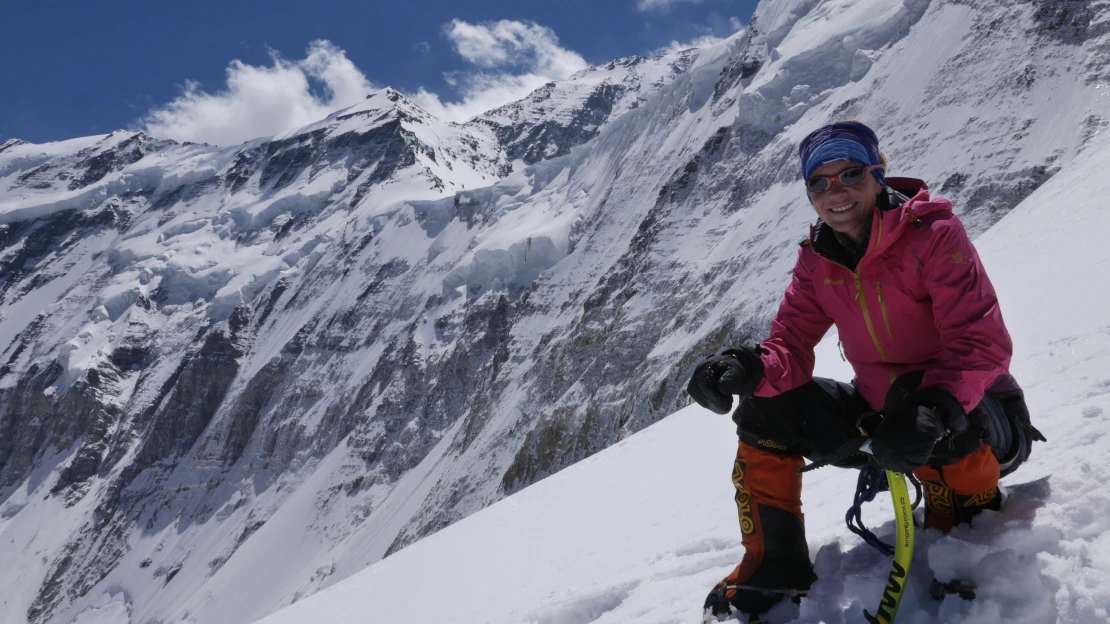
(79, 68)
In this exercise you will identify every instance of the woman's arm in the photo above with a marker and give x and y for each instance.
(976, 346)
(800, 324)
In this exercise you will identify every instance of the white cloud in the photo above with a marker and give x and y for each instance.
(678, 46)
(512, 59)
(716, 29)
(660, 6)
(262, 101)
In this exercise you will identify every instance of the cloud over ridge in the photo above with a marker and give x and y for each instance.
(512, 58)
(262, 101)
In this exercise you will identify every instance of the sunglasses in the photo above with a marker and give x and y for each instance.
(848, 177)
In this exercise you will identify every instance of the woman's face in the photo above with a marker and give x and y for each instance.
(846, 209)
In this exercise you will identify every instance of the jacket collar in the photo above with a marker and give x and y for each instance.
(902, 203)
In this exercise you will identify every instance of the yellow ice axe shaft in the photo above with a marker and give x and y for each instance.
(903, 551)
(903, 516)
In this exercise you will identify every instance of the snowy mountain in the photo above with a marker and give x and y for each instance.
(639, 532)
(232, 377)
(563, 114)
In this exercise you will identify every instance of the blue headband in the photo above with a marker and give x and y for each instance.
(843, 140)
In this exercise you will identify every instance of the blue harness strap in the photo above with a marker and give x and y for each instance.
(871, 481)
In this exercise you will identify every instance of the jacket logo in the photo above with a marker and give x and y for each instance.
(831, 282)
(958, 258)
(771, 444)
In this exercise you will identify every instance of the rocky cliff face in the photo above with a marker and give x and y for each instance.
(304, 353)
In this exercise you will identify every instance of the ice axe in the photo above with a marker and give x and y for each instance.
(903, 519)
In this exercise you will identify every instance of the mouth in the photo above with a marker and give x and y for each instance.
(845, 208)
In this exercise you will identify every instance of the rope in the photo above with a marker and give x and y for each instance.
(871, 481)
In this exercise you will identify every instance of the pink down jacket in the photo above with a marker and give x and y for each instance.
(919, 299)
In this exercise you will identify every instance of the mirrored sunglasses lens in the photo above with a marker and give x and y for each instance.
(818, 185)
(852, 176)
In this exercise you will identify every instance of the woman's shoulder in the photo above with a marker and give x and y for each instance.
(936, 231)
(913, 195)
(807, 257)
(935, 217)
(920, 208)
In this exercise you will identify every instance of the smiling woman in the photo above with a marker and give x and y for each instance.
(847, 196)
(930, 352)
(836, 161)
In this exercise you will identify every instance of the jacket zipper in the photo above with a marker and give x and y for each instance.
(862, 298)
(889, 331)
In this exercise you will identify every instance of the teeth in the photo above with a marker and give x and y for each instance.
(841, 208)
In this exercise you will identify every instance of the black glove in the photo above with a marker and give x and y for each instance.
(717, 378)
(905, 441)
(913, 422)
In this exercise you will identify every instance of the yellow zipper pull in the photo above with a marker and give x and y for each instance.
(859, 285)
(879, 290)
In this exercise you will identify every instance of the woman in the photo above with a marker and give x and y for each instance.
(919, 321)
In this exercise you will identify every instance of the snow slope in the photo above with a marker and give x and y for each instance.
(639, 532)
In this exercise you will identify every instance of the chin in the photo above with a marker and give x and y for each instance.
(847, 228)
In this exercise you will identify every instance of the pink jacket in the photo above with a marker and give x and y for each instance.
(919, 299)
